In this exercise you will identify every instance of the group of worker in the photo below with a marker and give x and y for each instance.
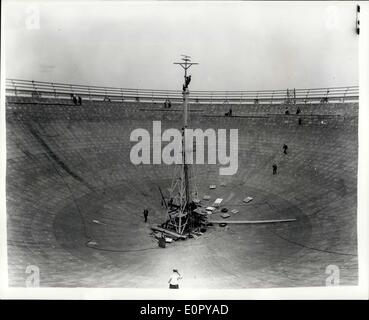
(167, 103)
(274, 166)
(229, 113)
(298, 111)
(77, 100)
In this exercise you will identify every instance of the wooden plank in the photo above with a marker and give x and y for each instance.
(250, 221)
(247, 199)
(217, 202)
(172, 233)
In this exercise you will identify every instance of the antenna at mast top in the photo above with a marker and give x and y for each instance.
(185, 57)
(186, 64)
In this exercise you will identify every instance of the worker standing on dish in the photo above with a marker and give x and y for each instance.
(174, 279)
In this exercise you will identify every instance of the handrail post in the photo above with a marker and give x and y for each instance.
(52, 84)
(33, 86)
(307, 95)
(15, 88)
(327, 95)
(287, 97)
(271, 100)
(344, 95)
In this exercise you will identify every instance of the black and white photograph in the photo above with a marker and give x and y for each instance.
(183, 147)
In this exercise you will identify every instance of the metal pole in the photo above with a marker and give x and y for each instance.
(185, 124)
(186, 64)
(185, 116)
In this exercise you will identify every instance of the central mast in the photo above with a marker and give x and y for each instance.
(180, 203)
(183, 214)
